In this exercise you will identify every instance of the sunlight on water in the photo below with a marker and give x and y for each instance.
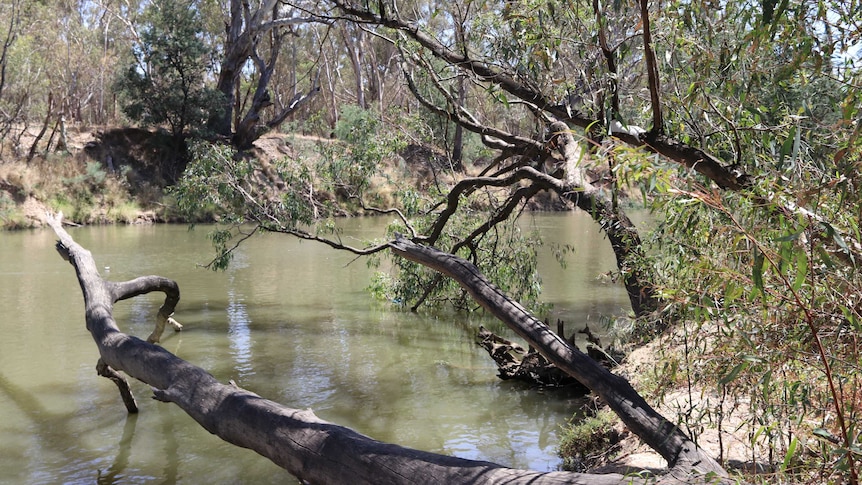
(290, 321)
(239, 335)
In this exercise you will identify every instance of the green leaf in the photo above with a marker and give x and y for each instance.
(836, 236)
(825, 258)
(851, 317)
(733, 374)
(801, 270)
(785, 253)
(825, 434)
(757, 271)
(787, 146)
(790, 237)
(797, 141)
(789, 455)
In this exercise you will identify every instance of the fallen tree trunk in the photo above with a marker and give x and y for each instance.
(313, 450)
(515, 362)
(686, 460)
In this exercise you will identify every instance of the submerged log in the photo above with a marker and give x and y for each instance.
(530, 366)
(515, 363)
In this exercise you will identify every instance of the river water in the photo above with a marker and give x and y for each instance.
(289, 320)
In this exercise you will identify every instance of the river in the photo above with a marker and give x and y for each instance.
(289, 320)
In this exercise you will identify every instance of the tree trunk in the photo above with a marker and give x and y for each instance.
(320, 452)
(236, 51)
(458, 139)
(354, 51)
(621, 232)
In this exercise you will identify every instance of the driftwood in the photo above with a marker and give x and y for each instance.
(527, 365)
(317, 451)
(516, 363)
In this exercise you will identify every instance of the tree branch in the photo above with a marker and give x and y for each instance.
(491, 137)
(659, 433)
(147, 284)
(691, 157)
(652, 71)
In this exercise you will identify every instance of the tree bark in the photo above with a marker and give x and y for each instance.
(317, 451)
(246, 29)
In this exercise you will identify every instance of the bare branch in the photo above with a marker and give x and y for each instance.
(297, 102)
(652, 71)
(491, 137)
(329, 242)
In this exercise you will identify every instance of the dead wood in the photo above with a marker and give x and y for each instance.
(515, 363)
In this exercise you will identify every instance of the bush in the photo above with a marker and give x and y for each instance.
(590, 441)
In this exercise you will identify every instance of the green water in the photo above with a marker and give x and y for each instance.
(290, 321)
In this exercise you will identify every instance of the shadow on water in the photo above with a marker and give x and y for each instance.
(114, 474)
(51, 431)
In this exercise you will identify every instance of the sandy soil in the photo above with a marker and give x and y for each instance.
(727, 441)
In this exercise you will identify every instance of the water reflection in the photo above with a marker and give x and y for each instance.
(114, 474)
(239, 334)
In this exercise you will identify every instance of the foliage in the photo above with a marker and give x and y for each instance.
(588, 441)
(770, 296)
(10, 217)
(506, 255)
(362, 146)
(221, 182)
(82, 189)
(165, 84)
(772, 321)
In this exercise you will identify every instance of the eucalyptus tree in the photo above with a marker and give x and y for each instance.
(11, 31)
(50, 67)
(255, 33)
(165, 83)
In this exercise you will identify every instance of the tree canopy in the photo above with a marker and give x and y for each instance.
(165, 83)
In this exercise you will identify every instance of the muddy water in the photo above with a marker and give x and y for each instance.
(290, 321)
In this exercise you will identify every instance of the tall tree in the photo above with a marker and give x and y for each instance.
(254, 32)
(166, 83)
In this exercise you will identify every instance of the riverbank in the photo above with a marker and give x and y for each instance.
(723, 427)
(103, 176)
(122, 175)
